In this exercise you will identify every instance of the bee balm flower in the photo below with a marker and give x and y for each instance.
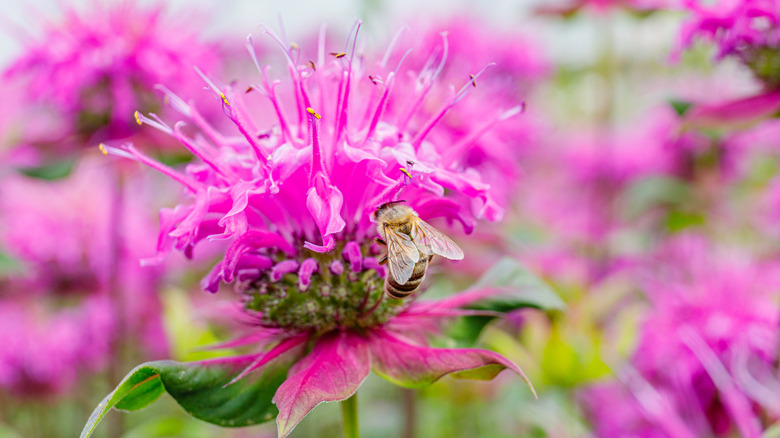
(87, 74)
(293, 191)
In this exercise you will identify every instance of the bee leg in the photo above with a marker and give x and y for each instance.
(383, 260)
(380, 241)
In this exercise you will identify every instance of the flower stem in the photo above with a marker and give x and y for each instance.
(350, 416)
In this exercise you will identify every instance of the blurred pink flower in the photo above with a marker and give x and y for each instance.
(739, 27)
(713, 324)
(567, 8)
(76, 272)
(45, 350)
(573, 190)
(748, 31)
(294, 197)
(516, 66)
(90, 71)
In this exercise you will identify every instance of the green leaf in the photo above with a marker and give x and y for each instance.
(680, 106)
(516, 287)
(9, 265)
(651, 192)
(678, 220)
(200, 388)
(520, 288)
(51, 171)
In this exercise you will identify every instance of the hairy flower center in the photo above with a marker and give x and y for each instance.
(321, 294)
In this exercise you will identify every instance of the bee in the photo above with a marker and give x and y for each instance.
(411, 244)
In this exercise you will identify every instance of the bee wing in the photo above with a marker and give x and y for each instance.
(402, 255)
(431, 241)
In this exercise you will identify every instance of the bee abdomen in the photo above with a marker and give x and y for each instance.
(399, 291)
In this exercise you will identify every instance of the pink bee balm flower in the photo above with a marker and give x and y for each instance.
(90, 71)
(46, 351)
(745, 29)
(293, 192)
(516, 64)
(707, 346)
(63, 236)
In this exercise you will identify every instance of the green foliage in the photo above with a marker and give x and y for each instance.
(518, 288)
(651, 192)
(51, 171)
(680, 106)
(202, 389)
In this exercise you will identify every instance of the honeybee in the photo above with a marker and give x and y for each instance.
(411, 244)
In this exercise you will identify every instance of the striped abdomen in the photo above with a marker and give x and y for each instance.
(400, 291)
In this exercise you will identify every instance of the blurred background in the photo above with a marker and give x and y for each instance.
(642, 180)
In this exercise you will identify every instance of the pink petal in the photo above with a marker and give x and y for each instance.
(353, 255)
(308, 267)
(282, 268)
(458, 300)
(211, 281)
(333, 371)
(737, 112)
(258, 338)
(324, 202)
(250, 241)
(336, 267)
(446, 208)
(293, 344)
(373, 263)
(416, 366)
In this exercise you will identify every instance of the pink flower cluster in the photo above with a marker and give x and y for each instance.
(292, 188)
(74, 274)
(83, 76)
(705, 350)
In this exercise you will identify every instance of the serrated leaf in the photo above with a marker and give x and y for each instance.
(52, 171)
(200, 388)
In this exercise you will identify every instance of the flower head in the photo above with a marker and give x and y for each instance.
(707, 349)
(746, 29)
(91, 70)
(293, 190)
(72, 277)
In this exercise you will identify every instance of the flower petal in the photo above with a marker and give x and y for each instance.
(736, 113)
(416, 366)
(324, 202)
(333, 371)
(250, 241)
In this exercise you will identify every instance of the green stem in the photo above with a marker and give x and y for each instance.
(350, 416)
